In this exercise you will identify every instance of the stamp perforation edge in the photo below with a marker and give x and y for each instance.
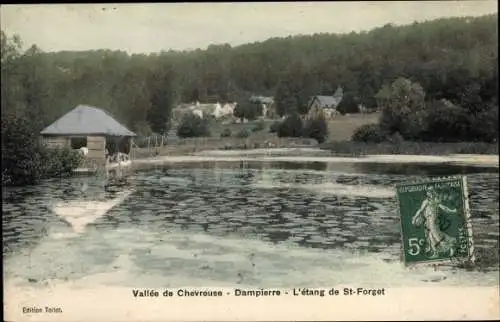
(428, 180)
(467, 219)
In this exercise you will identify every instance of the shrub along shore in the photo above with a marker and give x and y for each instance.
(337, 148)
(26, 160)
(352, 148)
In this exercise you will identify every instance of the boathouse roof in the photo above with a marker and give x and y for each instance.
(87, 120)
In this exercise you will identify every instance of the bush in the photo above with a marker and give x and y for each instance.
(409, 147)
(477, 148)
(445, 122)
(274, 127)
(403, 108)
(193, 126)
(395, 138)
(484, 125)
(226, 133)
(21, 162)
(59, 162)
(243, 134)
(317, 129)
(247, 110)
(348, 105)
(291, 127)
(369, 133)
(25, 160)
(261, 125)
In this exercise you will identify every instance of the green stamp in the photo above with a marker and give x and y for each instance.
(435, 221)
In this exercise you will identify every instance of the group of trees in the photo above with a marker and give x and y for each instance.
(193, 126)
(294, 126)
(25, 160)
(406, 112)
(447, 57)
(248, 110)
(453, 59)
(137, 90)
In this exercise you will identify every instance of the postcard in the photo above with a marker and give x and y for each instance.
(308, 161)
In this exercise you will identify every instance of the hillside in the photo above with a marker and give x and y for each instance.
(448, 57)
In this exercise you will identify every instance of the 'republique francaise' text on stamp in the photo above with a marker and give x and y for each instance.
(435, 221)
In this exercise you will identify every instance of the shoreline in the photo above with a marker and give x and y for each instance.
(236, 146)
(286, 155)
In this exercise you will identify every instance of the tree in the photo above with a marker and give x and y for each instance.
(248, 110)
(484, 125)
(21, 162)
(10, 47)
(445, 122)
(369, 133)
(133, 97)
(348, 104)
(291, 127)
(317, 129)
(25, 160)
(285, 100)
(193, 126)
(11, 94)
(162, 98)
(470, 98)
(38, 87)
(403, 109)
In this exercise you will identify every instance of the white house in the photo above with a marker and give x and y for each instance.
(228, 109)
(217, 111)
(264, 110)
(204, 110)
(197, 111)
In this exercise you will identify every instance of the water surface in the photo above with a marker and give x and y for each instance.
(261, 224)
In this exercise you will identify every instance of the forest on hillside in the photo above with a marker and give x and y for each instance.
(454, 58)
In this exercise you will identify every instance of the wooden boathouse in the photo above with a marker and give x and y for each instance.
(90, 127)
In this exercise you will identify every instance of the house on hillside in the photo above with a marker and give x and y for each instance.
(90, 128)
(202, 110)
(325, 105)
(198, 112)
(267, 103)
(270, 111)
(214, 110)
(228, 109)
(261, 99)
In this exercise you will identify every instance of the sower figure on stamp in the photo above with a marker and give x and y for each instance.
(427, 215)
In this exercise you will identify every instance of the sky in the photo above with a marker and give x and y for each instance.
(146, 28)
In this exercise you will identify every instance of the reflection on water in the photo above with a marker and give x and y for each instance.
(422, 169)
(256, 223)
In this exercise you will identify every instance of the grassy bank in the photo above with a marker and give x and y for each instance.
(192, 145)
(342, 127)
(340, 131)
(253, 127)
(351, 148)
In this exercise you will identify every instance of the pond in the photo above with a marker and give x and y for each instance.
(258, 224)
